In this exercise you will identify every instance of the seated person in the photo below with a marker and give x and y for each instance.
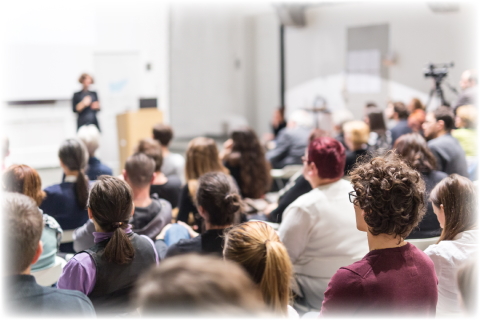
(256, 246)
(244, 157)
(67, 201)
(25, 180)
(173, 163)
(218, 203)
(413, 149)
(437, 129)
(202, 157)
(395, 278)
(318, 229)
(466, 134)
(106, 272)
(356, 138)
(416, 109)
(454, 202)
(151, 213)
(23, 226)
(167, 188)
(198, 286)
(90, 136)
(291, 141)
(398, 112)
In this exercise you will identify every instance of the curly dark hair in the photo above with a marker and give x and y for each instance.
(248, 154)
(391, 194)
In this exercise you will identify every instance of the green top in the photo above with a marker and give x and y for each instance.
(467, 139)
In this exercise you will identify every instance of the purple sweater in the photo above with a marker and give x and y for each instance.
(80, 271)
(394, 282)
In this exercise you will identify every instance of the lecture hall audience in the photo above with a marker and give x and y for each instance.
(394, 278)
(356, 134)
(67, 201)
(437, 129)
(90, 136)
(25, 180)
(107, 271)
(414, 150)
(318, 228)
(23, 226)
(417, 114)
(454, 202)
(398, 113)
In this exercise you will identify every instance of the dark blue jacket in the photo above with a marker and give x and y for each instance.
(96, 168)
(26, 297)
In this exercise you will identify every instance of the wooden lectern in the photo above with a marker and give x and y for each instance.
(132, 126)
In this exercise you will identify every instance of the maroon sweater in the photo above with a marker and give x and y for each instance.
(386, 282)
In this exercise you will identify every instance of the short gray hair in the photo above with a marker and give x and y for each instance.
(302, 118)
(90, 136)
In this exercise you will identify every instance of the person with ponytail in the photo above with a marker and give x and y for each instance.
(454, 202)
(67, 201)
(218, 202)
(107, 271)
(256, 246)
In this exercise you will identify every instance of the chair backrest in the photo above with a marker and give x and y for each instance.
(423, 244)
(47, 277)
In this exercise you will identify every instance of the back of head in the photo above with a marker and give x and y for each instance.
(329, 157)
(23, 225)
(300, 118)
(194, 285)
(391, 194)
(218, 196)
(139, 168)
(202, 157)
(413, 149)
(401, 110)
(357, 132)
(445, 114)
(376, 121)
(469, 78)
(163, 133)
(111, 205)
(468, 116)
(151, 148)
(90, 136)
(74, 156)
(417, 104)
(256, 246)
(23, 179)
(249, 155)
(458, 197)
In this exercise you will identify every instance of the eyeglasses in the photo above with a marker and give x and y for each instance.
(351, 196)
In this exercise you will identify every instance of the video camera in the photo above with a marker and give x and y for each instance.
(437, 71)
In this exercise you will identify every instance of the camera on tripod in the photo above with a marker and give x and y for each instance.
(437, 71)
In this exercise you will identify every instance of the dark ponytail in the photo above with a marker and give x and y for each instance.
(111, 203)
(218, 196)
(74, 156)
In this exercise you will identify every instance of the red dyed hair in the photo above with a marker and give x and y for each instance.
(329, 157)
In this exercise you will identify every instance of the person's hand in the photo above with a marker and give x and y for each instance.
(192, 233)
(228, 145)
(161, 235)
(95, 105)
(87, 100)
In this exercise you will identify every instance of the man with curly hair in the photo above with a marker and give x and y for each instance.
(394, 278)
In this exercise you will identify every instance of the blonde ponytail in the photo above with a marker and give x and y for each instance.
(256, 246)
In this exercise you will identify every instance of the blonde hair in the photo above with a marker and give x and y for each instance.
(256, 246)
(468, 115)
(358, 131)
(202, 157)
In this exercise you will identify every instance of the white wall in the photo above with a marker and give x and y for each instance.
(417, 36)
(98, 28)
